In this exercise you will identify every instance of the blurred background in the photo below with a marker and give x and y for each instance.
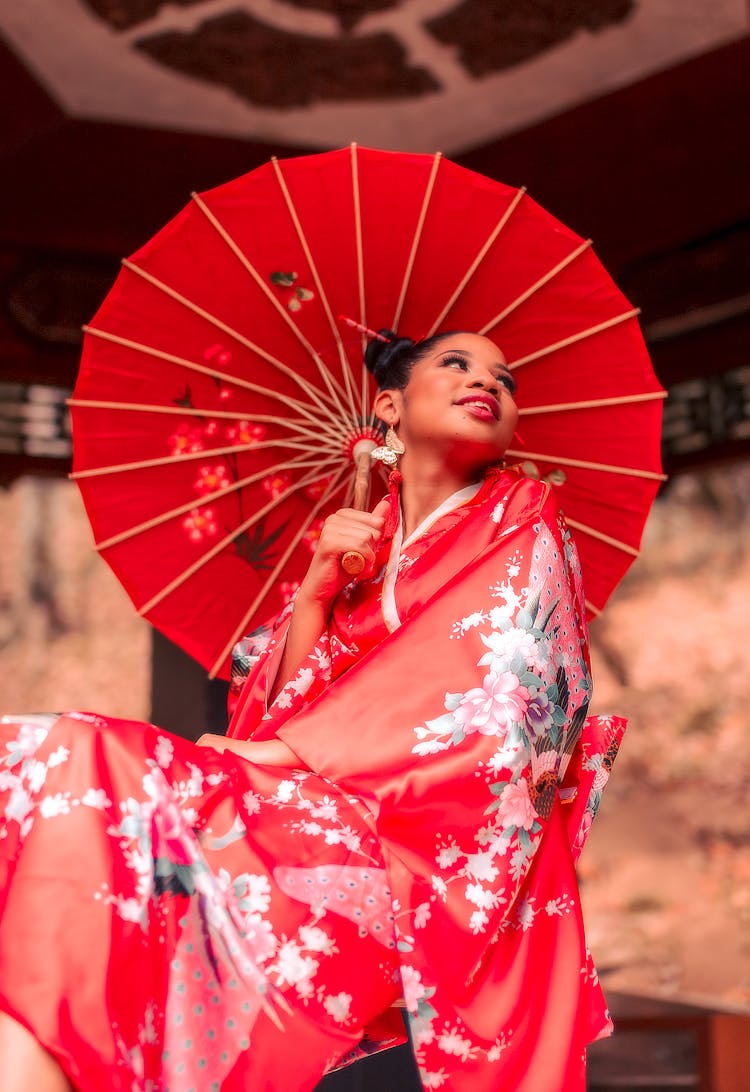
(628, 120)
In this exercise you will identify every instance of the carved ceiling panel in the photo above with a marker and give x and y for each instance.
(274, 68)
(317, 73)
(490, 37)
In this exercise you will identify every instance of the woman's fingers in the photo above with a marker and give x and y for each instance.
(347, 531)
(381, 509)
(208, 740)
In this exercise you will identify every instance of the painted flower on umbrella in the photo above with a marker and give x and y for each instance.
(276, 485)
(293, 293)
(491, 708)
(186, 440)
(245, 432)
(218, 355)
(315, 490)
(313, 533)
(212, 478)
(200, 523)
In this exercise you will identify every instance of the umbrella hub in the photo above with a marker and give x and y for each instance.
(361, 439)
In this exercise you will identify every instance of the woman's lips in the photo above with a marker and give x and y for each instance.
(483, 408)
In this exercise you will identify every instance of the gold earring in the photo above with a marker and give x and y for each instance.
(389, 454)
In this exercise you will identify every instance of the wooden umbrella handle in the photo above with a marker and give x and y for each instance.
(353, 562)
(362, 479)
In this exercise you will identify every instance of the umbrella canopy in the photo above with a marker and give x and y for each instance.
(220, 397)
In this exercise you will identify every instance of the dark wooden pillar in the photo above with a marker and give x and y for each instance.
(183, 699)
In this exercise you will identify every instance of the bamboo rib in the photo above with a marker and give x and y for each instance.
(581, 464)
(360, 272)
(600, 535)
(207, 498)
(359, 246)
(536, 286)
(328, 379)
(202, 369)
(202, 412)
(190, 456)
(594, 611)
(239, 630)
(345, 366)
(593, 403)
(417, 239)
(479, 258)
(179, 580)
(575, 337)
(290, 373)
(335, 433)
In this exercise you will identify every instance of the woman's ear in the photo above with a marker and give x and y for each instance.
(386, 406)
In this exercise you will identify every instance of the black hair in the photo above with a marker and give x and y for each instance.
(391, 361)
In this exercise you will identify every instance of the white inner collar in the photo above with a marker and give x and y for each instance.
(390, 611)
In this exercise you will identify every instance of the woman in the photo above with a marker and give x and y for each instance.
(393, 817)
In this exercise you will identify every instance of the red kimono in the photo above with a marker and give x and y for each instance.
(173, 918)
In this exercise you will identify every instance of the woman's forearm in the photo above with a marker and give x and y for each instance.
(264, 752)
(309, 621)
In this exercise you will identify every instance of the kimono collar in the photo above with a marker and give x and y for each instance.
(478, 490)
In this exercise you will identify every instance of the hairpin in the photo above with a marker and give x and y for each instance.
(363, 329)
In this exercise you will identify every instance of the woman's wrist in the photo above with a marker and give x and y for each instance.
(313, 600)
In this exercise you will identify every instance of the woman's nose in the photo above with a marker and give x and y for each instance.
(487, 382)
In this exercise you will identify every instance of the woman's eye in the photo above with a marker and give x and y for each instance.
(455, 360)
(509, 382)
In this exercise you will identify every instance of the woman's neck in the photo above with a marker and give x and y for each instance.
(425, 487)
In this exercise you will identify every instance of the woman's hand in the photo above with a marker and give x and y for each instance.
(345, 530)
(264, 752)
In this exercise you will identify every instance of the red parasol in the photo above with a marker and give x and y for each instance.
(220, 398)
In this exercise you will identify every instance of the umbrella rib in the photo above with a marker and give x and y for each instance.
(210, 554)
(290, 373)
(345, 366)
(624, 317)
(581, 464)
(602, 537)
(203, 369)
(326, 376)
(595, 611)
(198, 502)
(189, 456)
(360, 273)
(193, 411)
(593, 403)
(479, 258)
(417, 238)
(238, 632)
(536, 286)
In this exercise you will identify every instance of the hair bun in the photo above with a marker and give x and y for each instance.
(383, 357)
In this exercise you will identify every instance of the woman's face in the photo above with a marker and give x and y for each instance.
(458, 402)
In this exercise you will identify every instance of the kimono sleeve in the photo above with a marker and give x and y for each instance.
(255, 664)
(254, 715)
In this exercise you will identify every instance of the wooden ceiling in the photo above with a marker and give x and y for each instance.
(656, 172)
